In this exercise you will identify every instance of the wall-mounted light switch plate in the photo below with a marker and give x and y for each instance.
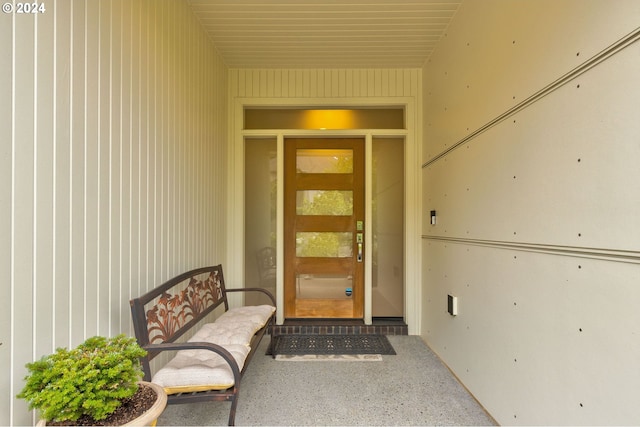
(452, 305)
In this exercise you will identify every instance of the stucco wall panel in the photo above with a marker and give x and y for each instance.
(544, 175)
(538, 357)
(537, 231)
(519, 46)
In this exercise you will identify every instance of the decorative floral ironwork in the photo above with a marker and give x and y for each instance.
(172, 311)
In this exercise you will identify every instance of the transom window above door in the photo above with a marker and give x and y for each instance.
(328, 118)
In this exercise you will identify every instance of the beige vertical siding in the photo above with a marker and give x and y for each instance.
(532, 146)
(113, 121)
(324, 83)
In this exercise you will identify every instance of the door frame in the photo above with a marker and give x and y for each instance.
(413, 200)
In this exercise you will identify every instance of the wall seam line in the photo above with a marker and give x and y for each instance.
(615, 255)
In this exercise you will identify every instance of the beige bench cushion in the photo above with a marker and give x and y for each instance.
(224, 334)
(199, 370)
(255, 316)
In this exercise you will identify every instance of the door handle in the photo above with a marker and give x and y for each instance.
(359, 257)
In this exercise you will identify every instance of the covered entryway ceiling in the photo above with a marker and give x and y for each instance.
(325, 33)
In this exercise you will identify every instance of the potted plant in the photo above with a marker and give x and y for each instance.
(96, 383)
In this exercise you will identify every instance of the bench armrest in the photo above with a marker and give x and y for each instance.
(264, 291)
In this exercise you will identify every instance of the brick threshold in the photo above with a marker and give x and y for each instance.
(382, 326)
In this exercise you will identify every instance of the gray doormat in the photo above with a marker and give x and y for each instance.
(331, 344)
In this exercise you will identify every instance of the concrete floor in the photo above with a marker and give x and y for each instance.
(410, 388)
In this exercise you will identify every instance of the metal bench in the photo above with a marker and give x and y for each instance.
(209, 366)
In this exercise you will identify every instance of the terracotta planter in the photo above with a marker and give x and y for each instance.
(150, 417)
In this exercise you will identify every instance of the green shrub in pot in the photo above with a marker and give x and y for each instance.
(91, 379)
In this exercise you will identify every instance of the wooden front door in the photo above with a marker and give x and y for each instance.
(324, 228)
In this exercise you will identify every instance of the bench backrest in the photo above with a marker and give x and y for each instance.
(167, 312)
